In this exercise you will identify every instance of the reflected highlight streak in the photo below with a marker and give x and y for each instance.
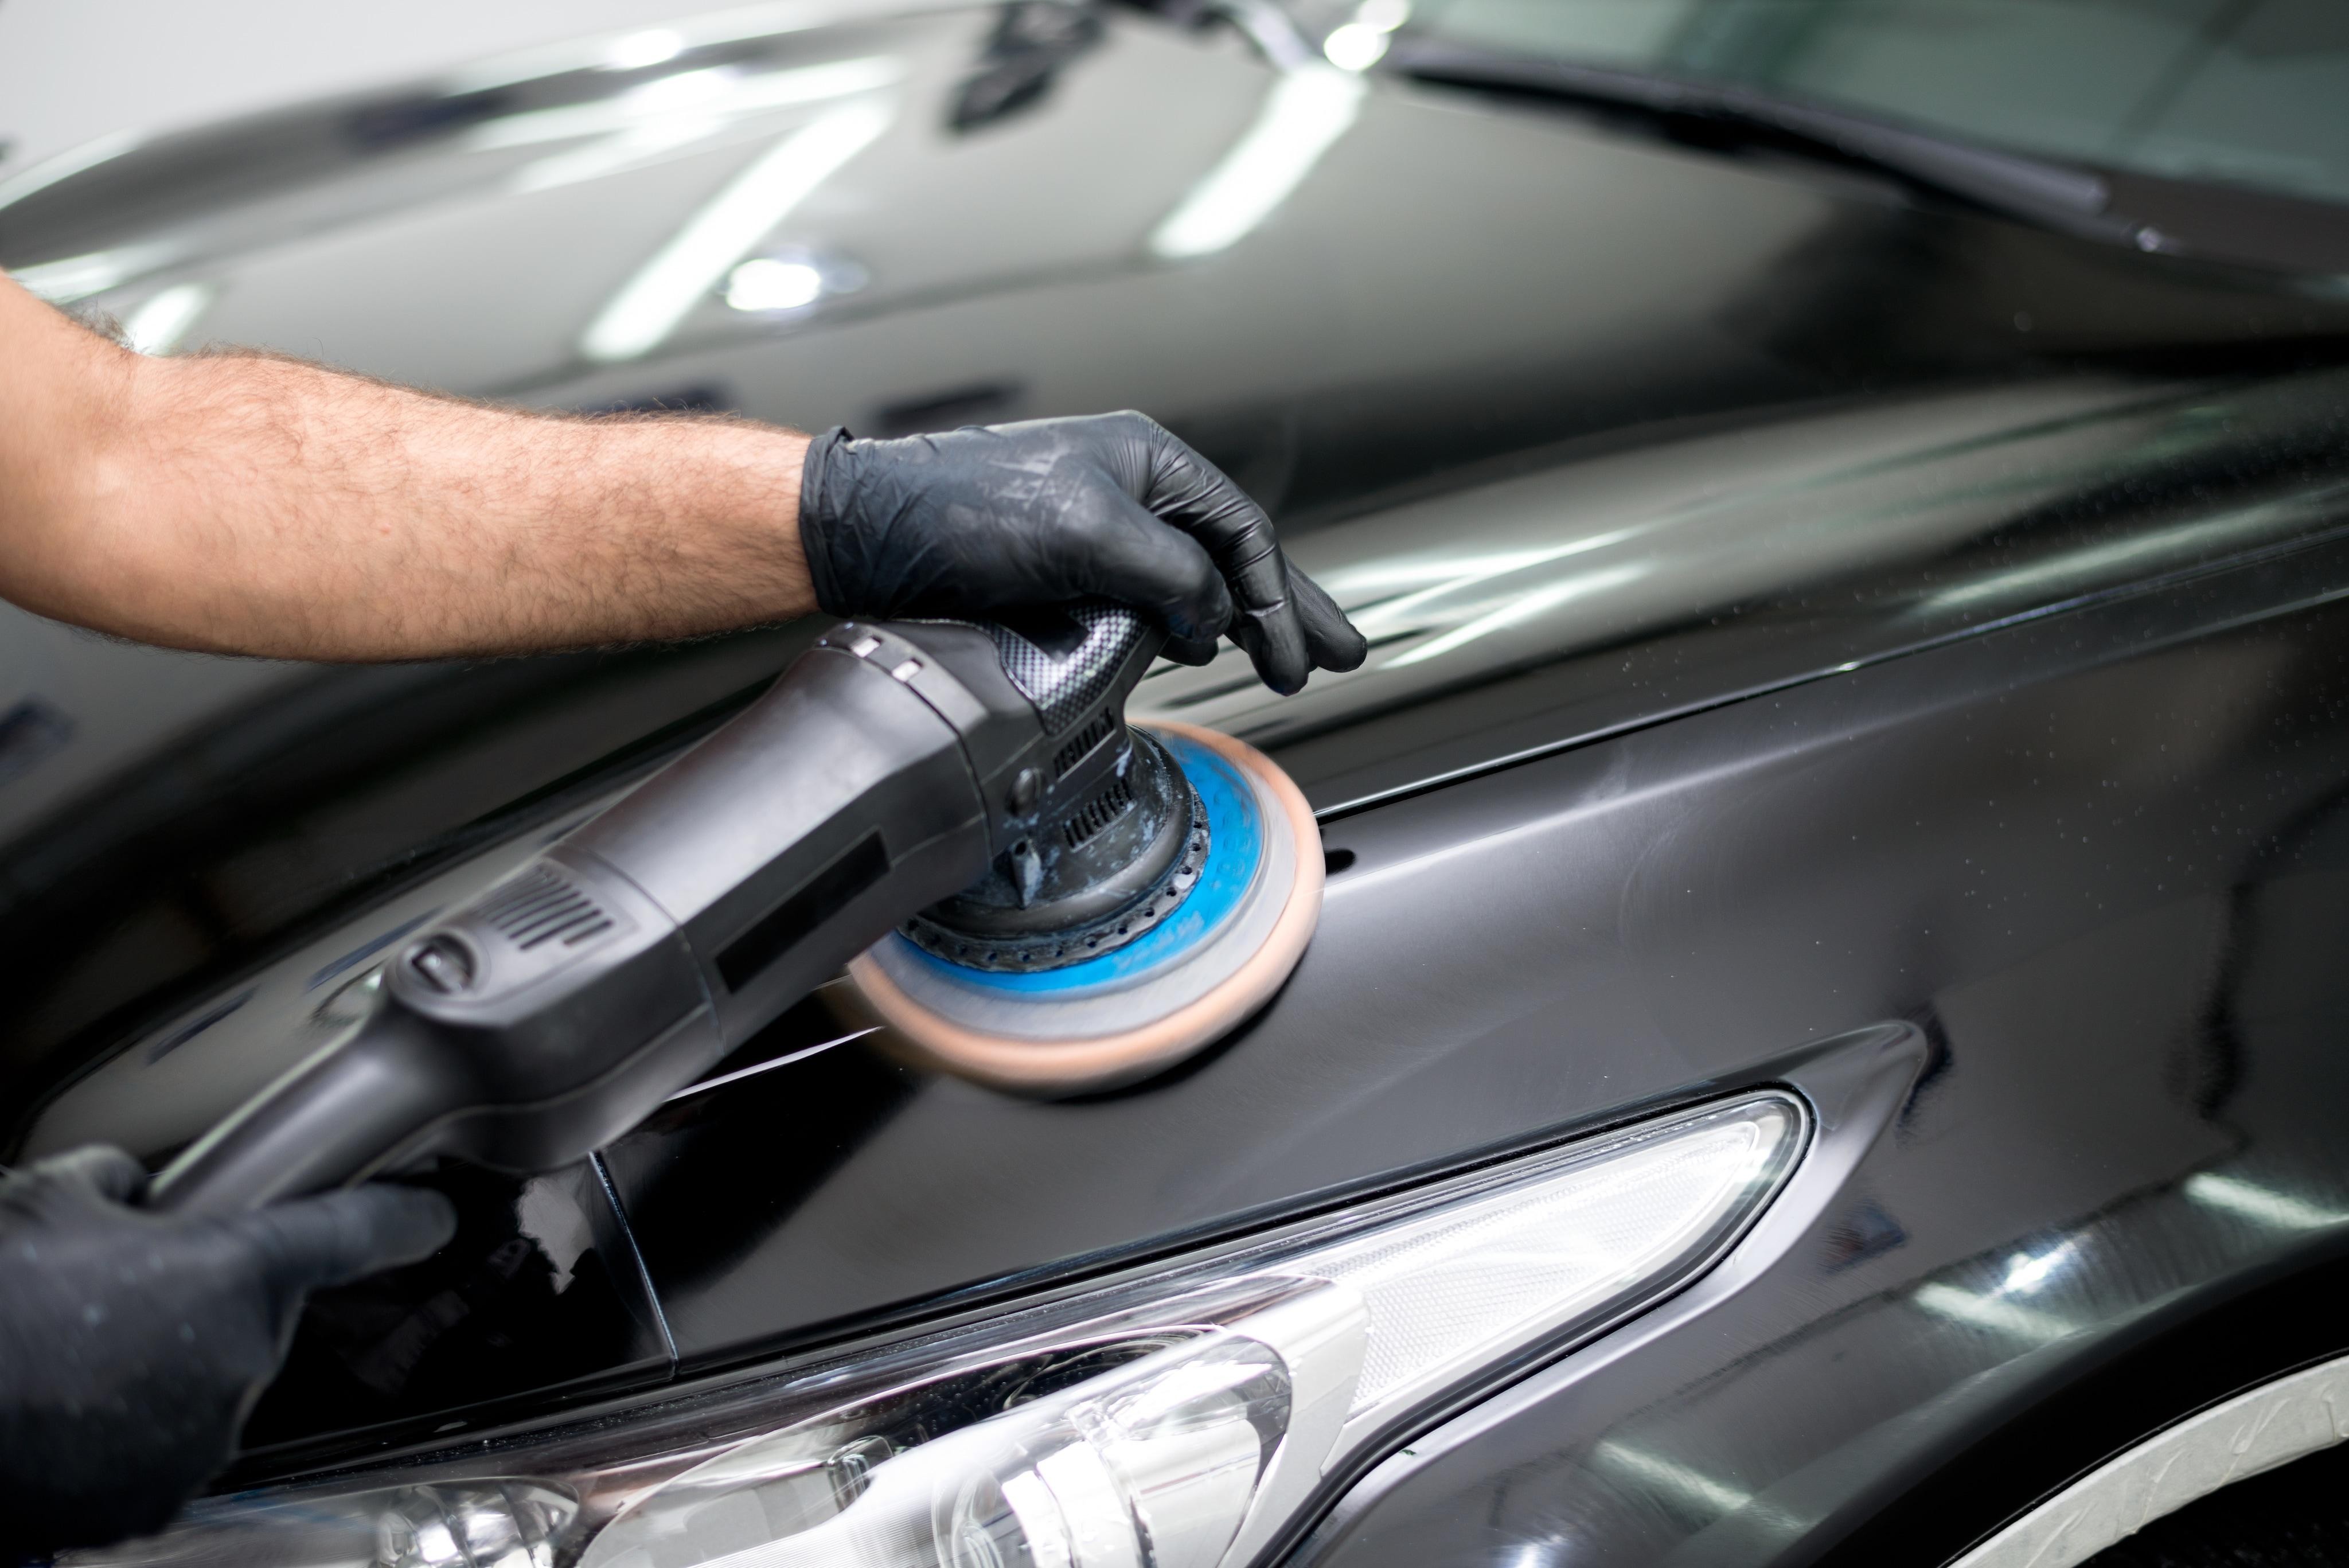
(1690, 1487)
(2027, 1273)
(66, 164)
(161, 322)
(1353, 586)
(1303, 116)
(64, 281)
(767, 1066)
(1523, 607)
(651, 304)
(638, 50)
(614, 154)
(2144, 551)
(2263, 1205)
(699, 95)
(1990, 1311)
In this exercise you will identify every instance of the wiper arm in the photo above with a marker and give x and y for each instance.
(2054, 195)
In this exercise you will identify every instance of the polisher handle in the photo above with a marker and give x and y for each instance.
(333, 1117)
(1075, 660)
(558, 1008)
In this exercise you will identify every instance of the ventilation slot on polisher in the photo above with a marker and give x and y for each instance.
(1110, 803)
(1080, 745)
(541, 907)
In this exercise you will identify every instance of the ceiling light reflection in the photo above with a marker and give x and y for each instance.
(766, 284)
(1355, 587)
(716, 90)
(161, 322)
(680, 89)
(1306, 112)
(613, 153)
(1523, 607)
(1354, 47)
(736, 24)
(1691, 1486)
(2248, 1200)
(1361, 43)
(2025, 1273)
(1990, 1311)
(685, 270)
(66, 164)
(638, 50)
(71, 278)
(2099, 563)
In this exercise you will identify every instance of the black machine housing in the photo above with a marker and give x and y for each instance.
(894, 766)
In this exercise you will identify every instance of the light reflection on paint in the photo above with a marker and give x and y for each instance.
(2140, 551)
(66, 164)
(1307, 111)
(1361, 43)
(1990, 1311)
(161, 322)
(1525, 606)
(2262, 1205)
(1353, 586)
(1683, 1484)
(1692, 1487)
(765, 283)
(1354, 47)
(650, 48)
(2025, 1273)
(685, 270)
(73, 278)
(718, 93)
(613, 153)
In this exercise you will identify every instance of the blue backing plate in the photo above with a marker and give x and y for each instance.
(1235, 857)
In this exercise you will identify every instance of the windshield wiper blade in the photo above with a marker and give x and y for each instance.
(2054, 195)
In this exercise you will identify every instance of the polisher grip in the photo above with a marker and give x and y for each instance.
(879, 776)
(333, 1118)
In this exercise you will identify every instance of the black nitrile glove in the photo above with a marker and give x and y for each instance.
(983, 520)
(133, 1344)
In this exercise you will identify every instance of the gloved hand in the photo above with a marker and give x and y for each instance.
(132, 1344)
(983, 520)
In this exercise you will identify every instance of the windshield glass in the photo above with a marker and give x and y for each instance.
(2244, 92)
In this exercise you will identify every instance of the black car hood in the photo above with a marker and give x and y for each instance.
(1588, 431)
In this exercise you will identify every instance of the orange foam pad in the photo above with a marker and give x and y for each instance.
(920, 1036)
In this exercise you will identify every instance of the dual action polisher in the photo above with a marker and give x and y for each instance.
(1028, 891)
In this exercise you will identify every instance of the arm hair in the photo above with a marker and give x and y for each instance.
(246, 502)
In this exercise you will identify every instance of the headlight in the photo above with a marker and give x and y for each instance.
(1183, 1422)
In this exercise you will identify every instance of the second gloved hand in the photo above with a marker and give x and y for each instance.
(132, 1344)
(982, 521)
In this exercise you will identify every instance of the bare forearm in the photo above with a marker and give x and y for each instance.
(259, 505)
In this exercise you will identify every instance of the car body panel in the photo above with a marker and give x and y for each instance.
(1810, 626)
(2128, 1106)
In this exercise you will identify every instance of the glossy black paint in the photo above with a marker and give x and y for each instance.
(541, 1288)
(1853, 621)
(2102, 894)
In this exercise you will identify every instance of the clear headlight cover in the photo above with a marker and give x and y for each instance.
(1187, 1420)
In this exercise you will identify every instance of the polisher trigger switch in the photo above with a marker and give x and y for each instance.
(443, 963)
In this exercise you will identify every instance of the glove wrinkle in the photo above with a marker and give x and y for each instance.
(983, 520)
(132, 1344)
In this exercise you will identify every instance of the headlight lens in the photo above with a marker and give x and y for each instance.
(1181, 1421)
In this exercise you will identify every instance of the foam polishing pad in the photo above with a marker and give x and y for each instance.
(1121, 1015)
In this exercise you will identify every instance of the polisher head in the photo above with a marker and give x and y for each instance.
(1055, 997)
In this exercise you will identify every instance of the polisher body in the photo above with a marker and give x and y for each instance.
(891, 766)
